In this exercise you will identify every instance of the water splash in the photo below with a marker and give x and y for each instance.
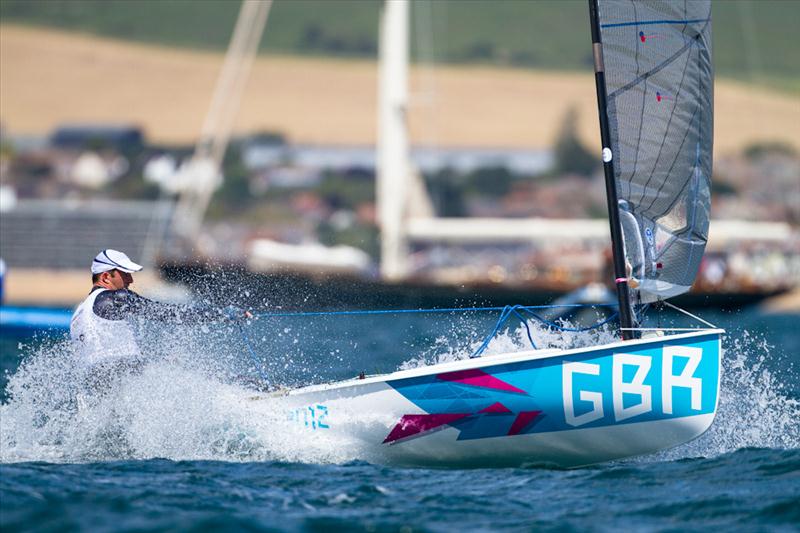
(512, 340)
(755, 409)
(186, 402)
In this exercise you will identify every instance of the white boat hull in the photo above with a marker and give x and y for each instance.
(564, 407)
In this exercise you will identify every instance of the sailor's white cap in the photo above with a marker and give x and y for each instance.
(111, 260)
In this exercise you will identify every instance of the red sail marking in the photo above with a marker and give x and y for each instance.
(643, 37)
(411, 425)
(478, 378)
(522, 421)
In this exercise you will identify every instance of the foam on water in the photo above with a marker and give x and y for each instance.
(174, 406)
(754, 411)
(187, 405)
(512, 340)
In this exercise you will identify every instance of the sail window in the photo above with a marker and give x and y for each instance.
(675, 219)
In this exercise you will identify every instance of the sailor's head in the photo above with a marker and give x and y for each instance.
(113, 270)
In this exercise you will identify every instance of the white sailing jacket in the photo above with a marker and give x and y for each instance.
(101, 325)
(99, 339)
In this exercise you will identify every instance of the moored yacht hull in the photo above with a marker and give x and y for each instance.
(564, 407)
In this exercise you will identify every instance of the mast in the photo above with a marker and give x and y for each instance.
(201, 175)
(393, 147)
(618, 253)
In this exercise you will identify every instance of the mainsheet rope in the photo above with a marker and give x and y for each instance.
(423, 311)
(519, 310)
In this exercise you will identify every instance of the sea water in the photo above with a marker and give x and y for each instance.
(172, 446)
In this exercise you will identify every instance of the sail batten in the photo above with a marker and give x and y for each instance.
(659, 106)
(651, 22)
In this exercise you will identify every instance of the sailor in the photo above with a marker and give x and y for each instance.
(101, 327)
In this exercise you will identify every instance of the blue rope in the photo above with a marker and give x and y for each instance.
(575, 330)
(504, 315)
(420, 311)
(515, 310)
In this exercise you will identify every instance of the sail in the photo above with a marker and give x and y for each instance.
(659, 90)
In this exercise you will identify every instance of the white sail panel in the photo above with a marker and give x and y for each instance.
(659, 88)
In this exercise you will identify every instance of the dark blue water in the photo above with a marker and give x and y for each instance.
(749, 488)
(186, 466)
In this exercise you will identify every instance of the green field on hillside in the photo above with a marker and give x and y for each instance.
(754, 39)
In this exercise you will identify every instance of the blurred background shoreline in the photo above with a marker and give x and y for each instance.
(327, 101)
(99, 107)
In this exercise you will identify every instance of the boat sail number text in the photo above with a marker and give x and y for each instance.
(583, 385)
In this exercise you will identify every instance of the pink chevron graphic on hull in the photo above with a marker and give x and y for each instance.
(478, 378)
(522, 421)
(496, 408)
(416, 425)
(411, 425)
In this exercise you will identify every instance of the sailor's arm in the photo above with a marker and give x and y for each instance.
(122, 304)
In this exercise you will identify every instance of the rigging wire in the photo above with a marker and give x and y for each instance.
(687, 313)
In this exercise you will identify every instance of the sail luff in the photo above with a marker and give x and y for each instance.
(618, 253)
(659, 107)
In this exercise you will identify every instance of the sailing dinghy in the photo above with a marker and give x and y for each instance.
(652, 390)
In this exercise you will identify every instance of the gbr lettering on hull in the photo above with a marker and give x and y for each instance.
(636, 387)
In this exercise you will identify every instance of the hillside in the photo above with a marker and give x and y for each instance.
(51, 77)
(753, 40)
